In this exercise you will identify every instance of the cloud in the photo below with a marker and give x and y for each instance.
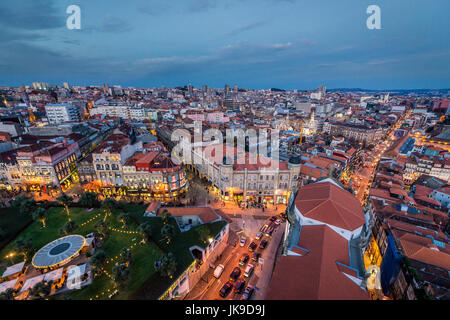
(31, 15)
(246, 27)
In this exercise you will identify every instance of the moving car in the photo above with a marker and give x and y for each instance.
(258, 235)
(226, 289)
(252, 247)
(244, 259)
(248, 292)
(239, 287)
(218, 271)
(235, 274)
(263, 244)
(249, 270)
(242, 241)
(256, 256)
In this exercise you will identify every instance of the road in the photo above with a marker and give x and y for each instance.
(209, 287)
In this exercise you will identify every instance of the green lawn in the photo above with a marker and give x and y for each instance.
(11, 221)
(144, 281)
(155, 286)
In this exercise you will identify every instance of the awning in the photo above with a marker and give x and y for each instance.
(54, 275)
(30, 283)
(13, 269)
(7, 285)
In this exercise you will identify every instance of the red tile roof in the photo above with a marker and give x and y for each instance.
(206, 214)
(328, 203)
(320, 273)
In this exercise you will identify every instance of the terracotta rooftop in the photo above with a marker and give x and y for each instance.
(206, 214)
(328, 203)
(321, 273)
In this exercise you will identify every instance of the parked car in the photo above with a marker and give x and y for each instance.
(255, 256)
(248, 292)
(278, 221)
(249, 270)
(225, 290)
(268, 224)
(235, 274)
(218, 271)
(242, 241)
(263, 244)
(269, 231)
(252, 247)
(244, 259)
(273, 218)
(239, 286)
(259, 235)
(263, 228)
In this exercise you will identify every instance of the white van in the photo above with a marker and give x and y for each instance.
(218, 271)
(249, 270)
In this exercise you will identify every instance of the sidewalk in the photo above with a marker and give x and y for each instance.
(265, 274)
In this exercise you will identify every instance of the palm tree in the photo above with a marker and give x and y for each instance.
(167, 265)
(102, 228)
(121, 275)
(125, 256)
(165, 216)
(40, 214)
(168, 233)
(89, 199)
(109, 204)
(24, 204)
(98, 260)
(65, 200)
(25, 247)
(123, 217)
(68, 228)
(146, 229)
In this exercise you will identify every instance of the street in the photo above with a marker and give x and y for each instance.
(247, 225)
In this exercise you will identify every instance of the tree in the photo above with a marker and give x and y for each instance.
(109, 204)
(25, 247)
(203, 233)
(8, 294)
(2, 233)
(41, 289)
(102, 228)
(24, 204)
(121, 275)
(98, 260)
(146, 229)
(68, 228)
(168, 233)
(125, 256)
(65, 200)
(89, 200)
(123, 218)
(40, 214)
(165, 216)
(167, 265)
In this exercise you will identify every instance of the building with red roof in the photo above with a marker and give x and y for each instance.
(323, 257)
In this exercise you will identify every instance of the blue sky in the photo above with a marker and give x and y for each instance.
(290, 44)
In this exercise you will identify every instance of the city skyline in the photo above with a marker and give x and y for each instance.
(287, 45)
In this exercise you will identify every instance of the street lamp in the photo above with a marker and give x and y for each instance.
(10, 256)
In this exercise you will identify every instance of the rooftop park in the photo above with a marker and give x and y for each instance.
(124, 263)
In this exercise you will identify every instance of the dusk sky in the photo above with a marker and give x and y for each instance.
(289, 44)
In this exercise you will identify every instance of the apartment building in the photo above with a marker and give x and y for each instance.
(59, 113)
